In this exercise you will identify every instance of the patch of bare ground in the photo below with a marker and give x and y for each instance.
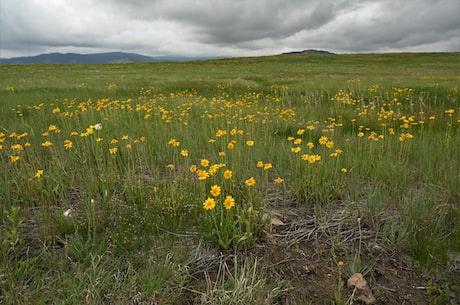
(307, 247)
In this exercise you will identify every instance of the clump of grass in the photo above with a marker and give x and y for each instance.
(244, 283)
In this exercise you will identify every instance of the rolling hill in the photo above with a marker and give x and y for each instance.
(96, 58)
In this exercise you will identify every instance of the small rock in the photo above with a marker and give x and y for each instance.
(363, 292)
(275, 221)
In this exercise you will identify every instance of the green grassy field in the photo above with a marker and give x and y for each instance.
(233, 181)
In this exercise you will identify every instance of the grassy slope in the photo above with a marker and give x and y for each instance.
(304, 72)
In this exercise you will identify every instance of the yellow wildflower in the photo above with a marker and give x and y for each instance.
(22, 135)
(213, 169)
(313, 158)
(229, 202)
(250, 182)
(67, 144)
(228, 174)
(409, 136)
(323, 140)
(209, 204)
(215, 190)
(39, 173)
(174, 143)
(205, 162)
(17, 147)
(202, 174)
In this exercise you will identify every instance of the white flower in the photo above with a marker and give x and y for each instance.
(98, 126)
(68, 213)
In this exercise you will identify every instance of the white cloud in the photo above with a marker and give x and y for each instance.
(224, 27)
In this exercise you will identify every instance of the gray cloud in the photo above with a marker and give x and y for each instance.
(228, 28)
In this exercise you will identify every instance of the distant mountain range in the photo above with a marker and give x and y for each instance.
(113, 58)
(96, 58)
(310, 51)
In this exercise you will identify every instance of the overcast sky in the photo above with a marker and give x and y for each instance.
(227, 27)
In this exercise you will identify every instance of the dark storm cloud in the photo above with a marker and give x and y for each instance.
(230, 27)
(242, 21)
(399, 25)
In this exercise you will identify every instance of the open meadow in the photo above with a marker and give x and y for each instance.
(264, 180)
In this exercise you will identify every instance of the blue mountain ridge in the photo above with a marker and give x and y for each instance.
(95, 58)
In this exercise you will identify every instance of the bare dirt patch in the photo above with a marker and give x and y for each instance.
(308, 254)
